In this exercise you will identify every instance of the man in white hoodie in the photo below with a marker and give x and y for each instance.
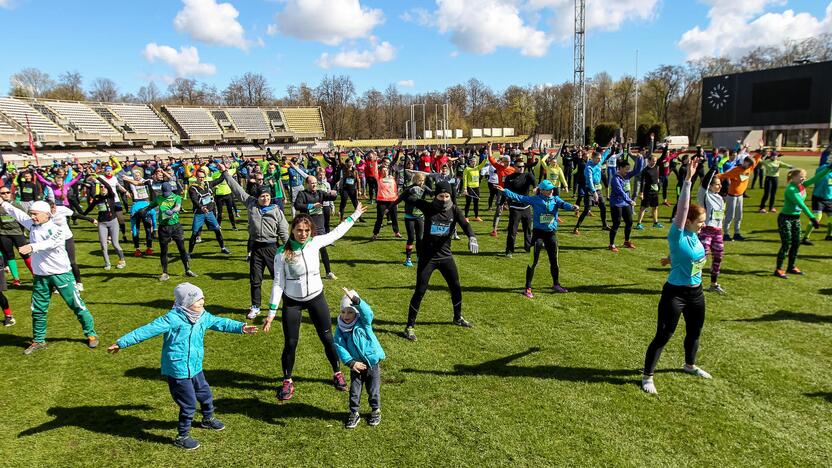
(51, 268)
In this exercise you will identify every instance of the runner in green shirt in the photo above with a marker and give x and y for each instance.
(170, 205)
(471, 186)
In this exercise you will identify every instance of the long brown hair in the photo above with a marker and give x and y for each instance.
(695, 212)
(301, 218)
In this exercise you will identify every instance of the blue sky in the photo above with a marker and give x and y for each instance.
(423, 45)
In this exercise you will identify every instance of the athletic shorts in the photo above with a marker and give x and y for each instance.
(824, 205)
(201, 219)
(119, 206)
(168, 233)
(651, 200)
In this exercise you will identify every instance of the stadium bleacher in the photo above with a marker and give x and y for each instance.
(304, 120)
(196, 123)
(19, 110)
(250, 120)
(141, 119)
(84, 118)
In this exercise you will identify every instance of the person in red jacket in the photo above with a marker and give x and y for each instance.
(503, 169)
(371, 174)
(388, 193)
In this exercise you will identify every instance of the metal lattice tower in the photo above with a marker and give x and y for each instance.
(578, 63)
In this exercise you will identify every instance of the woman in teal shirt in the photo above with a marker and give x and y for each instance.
(682, 293)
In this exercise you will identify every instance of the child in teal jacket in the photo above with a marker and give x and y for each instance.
(358, 347)
(182, 352)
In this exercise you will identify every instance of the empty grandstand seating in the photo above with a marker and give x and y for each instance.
(6, 129)
(83, 118)
(140, 118)
(18, 110)
(250, 120)
(196, 123)
(304, 120)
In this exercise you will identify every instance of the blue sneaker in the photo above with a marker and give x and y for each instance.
(658, 225)
(408, 263)
(186, 442)
(214, 424)
(639, 227)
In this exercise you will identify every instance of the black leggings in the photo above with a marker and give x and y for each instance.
(676, 301)
(8, 243)
(291, 318)
(472, 195)
(163, 252)
(69, 244)
(372, 188)
(347, 192)
(386, 208)
(769, 192)
(261, 258)
(327, 217)
(4, 302)
(492, 193)
(619, 212)
(587, 200)
(414, 228)
(424, 270)
(148, 231)
(548, 240)
(228, 202)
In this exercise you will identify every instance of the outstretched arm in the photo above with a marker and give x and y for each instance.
(684, 197)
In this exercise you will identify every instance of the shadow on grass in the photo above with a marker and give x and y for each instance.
(25, 341)
(165, 305)
(273, 413)
(106, 420)
(489, 289)
(362, 261)
(760, 254)
(501, 368)
(223, 378)
(722, 271)
(788, 315)
(825, 291)
(825, 395)
(231, 275)
(614, 289)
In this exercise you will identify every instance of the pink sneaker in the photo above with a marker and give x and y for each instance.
(528, 293)
(287, 391)
(559, 289)
(339, 382)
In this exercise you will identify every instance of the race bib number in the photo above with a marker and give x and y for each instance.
(475, 180)
(696, 267)
(316, 211)
(7, 219)
(654, 187)
(349, 181)
(141, 192)
(295, 267)
(27, 190)
(743, 177)
(718, 215)
(206, 200)
(440, 229)
(388, 181)
(102, 207)
(546, 219)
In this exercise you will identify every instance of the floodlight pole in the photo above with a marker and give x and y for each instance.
(578, 69)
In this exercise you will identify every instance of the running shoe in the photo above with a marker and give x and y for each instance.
(613, 249)
(15, 282)
(639, 227)
(794, 271)
(137, 253)
(225, 251)
(493, 233)
(828, 238)
(410, 334)
(806, 241)
(79, 287)
(339, 382)
(477, 219)
(456, 236)
(658, 225)
(606, 228)
(666, 203)
(629, 245)
(528, 293)
(726, 237)
(198, 239)
(35, 346)
(121, 264)
(763, 211)
(191, 274)
(375, 237)
(253, 312)
(739, 237)
(214, 424)
(773, 210)
(576, 232)
(508, 255)
(287, 391)
(461, 322)
(331, 276)
(648, 386)
(695, 370)
(397, 235)
(352, 421)
(780, 274)
(92, 342)
(8, 321)
(408, 263)
(248, 257)
(717, 289)
(164, 277)
(186, 442)
(375, 418)
(149, 251)
(559, 289)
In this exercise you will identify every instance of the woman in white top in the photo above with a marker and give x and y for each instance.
(297, 282)
(60, 216)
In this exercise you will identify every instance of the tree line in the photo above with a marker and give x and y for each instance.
(668, 98)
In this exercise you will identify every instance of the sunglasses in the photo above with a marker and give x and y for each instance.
(5, 193)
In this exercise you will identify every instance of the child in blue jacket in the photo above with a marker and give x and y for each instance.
(358, 347)
(182, 352)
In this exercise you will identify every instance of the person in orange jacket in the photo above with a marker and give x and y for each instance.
(738, 177)
(503, 170)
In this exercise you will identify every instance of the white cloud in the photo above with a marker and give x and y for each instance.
(354, 58)
(406, 83)
(6, 4)
(184, 63)
(271, 29)
(738, 26)
(418, 16)
(327, 21)
(211, 22)
(601, 15)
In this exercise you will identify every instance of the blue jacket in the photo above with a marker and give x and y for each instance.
(361, 343)
(592, 173)
(182, 349)
(618, 192)
(545, 209)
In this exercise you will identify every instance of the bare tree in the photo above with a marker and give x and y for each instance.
(335, 93)
(30, 82)
(69, 87)
(149, 94)
(104, 89)
(251, 89)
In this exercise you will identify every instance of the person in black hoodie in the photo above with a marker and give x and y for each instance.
(441, 218)
(202, 196)
(310, 201)
(520, 182)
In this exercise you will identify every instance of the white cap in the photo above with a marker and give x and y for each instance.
(41, 207)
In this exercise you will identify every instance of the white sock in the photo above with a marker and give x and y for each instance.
(648, 386)
(695, 370)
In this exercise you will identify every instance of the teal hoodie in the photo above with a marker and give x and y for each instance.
(182, 349)
(361, 343)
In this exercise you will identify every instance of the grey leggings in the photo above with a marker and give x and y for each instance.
(109, 228)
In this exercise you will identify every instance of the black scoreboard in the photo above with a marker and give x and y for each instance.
(796, 95)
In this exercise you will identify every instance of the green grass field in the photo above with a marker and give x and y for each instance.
(548, 381)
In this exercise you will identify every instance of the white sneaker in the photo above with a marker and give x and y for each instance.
(648, 386)
(121, 264)
(695, 370)
(164, 277)
(253, 312)
(331, 276)
(79, 286)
